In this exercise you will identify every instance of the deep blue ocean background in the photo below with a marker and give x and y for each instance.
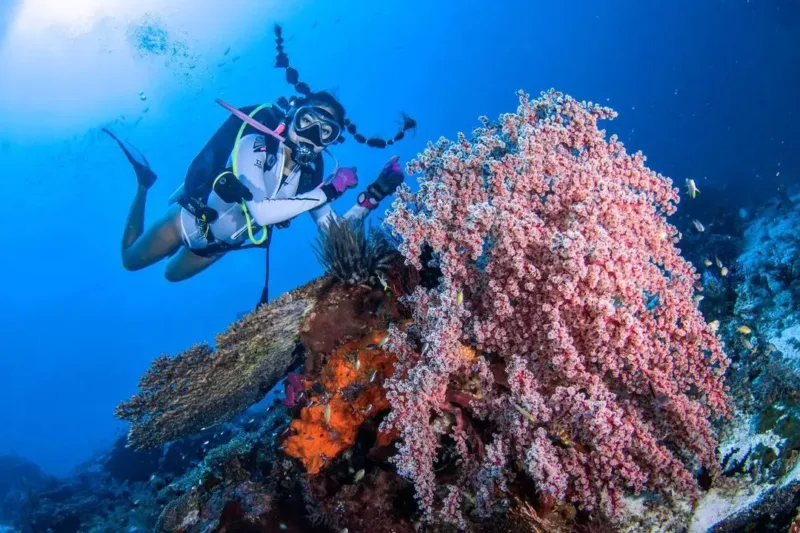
(707, 89)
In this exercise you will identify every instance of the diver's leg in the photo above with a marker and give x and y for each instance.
(134, 225)
(186, 264)
(142, 249)
(139, 248)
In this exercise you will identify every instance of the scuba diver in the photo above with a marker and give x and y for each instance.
(263, 167)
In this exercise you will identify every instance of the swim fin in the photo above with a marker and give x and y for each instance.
(144, 174)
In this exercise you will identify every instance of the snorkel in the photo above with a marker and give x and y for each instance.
(253, 122)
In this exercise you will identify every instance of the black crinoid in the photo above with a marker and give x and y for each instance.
(354, 254)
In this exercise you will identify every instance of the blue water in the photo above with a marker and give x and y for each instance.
(706, 89)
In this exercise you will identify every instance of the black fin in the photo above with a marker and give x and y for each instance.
(144, 174)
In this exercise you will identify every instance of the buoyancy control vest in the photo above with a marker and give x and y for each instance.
(213, 162)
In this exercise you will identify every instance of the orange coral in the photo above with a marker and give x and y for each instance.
(352, 377)
(467, 352)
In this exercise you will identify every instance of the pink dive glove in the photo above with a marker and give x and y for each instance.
(337, 184)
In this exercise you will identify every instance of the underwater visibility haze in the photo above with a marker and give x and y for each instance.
(500, 315)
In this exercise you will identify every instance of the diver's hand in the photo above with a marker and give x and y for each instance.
(336, 185)
(231, 190)
(388, 181)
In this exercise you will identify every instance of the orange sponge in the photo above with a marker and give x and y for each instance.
(353, 378)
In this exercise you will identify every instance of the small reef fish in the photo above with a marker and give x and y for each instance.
(327, 413)
(723, 272)
(698, 298)
(525, 413)
(770, 348)
(359, 476)
(708, 262)
(747, 344)
(698, 226)
(382, 280)
(691, 188)
(714, 325)
(459, 298)
(744, 330)
(719, 263)
(383, 342)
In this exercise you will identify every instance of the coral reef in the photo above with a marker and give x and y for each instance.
(201, 387)
(758, 488)
(533, 358)
(18, 477)
(597, 375)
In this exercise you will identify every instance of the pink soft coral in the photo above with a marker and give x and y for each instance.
(560, 267)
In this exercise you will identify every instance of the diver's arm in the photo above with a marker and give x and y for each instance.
(275, 210)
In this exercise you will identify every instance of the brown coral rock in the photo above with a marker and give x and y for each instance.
(201, 387)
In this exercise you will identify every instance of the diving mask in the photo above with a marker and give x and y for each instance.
(317, 125)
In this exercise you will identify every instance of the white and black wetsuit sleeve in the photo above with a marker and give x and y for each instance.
(274, 211)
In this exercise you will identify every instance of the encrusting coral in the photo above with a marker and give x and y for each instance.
(201, 387)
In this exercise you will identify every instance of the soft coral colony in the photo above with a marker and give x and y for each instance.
(546, 349)
(597, 373)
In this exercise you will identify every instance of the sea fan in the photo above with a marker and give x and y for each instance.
(352, 254)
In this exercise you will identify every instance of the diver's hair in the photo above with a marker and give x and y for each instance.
(322, 97)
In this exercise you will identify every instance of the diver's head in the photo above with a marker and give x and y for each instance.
(318, 122)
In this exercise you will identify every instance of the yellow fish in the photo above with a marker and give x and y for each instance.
(698, 298)
(744, 330)
(459, 298)
(723, 272)
(698, 226)
(691, 188)
(708, 262)
(714, 325)
(327, 414)
(359, 476)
